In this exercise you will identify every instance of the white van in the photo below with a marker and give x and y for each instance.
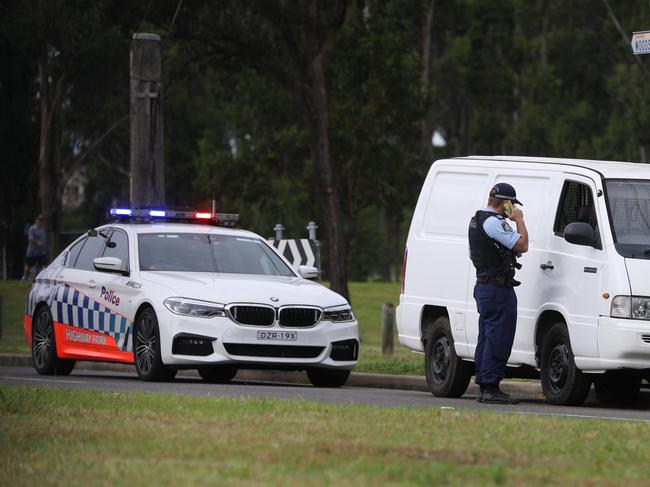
(584, 301)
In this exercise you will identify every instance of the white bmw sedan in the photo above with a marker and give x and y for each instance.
(166, 295)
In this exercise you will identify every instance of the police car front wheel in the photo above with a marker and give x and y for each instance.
(328, 377)
(44, 354)
(218, 374)
(146, 346)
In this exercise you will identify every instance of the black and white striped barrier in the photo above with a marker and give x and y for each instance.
(297, 251)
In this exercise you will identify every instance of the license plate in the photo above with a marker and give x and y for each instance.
(278, 336)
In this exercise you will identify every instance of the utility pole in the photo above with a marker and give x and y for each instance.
(147, 166)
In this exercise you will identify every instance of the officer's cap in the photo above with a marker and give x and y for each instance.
(503, 191)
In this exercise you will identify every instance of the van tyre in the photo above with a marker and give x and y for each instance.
(218, 374)
(44, 346)
(562, 382)
(447, 374)
(328, 377)
(618, 387)
(146, 349)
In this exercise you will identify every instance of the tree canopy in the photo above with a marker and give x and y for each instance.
(296, 111)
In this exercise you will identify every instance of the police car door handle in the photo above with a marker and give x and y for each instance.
(548, 265)
(92, 284)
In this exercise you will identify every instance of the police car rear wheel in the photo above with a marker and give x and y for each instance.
(447, 374)
(328, 377)
(146, 344)
(44, 346)
(218, 374)
(562, 381)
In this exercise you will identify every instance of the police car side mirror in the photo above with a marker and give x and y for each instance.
(307, 272)
(580, 233)
(109, 264)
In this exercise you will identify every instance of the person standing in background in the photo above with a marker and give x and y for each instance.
(36, 255)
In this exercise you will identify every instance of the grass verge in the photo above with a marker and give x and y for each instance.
(71, 437)
(13, 295)
(367, 299)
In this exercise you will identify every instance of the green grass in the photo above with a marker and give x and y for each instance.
(13, 294)
(71, 437)
(367, 299)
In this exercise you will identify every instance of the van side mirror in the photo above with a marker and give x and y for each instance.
(580, 233)
(110, 264)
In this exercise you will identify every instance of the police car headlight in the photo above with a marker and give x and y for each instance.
(634, 307)
(194, 307)
(338, 315)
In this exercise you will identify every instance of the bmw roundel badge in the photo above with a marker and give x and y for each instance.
(274, 299)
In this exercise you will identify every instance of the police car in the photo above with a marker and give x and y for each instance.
(168, 290)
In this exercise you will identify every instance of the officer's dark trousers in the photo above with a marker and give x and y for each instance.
(497, 307)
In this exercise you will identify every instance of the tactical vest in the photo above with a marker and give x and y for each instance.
(490, 258)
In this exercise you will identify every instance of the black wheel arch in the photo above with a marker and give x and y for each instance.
(430, 314)
(545, 322)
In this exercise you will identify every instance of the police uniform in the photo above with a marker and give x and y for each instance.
(491, 239)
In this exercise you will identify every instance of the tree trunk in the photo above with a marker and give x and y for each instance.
(543, 46)
(48, 161)
(336, 244)
(427, 119)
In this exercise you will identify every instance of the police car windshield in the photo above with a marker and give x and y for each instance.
(629, 206)
(196, 252)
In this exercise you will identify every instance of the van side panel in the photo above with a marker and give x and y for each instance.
(438, 256)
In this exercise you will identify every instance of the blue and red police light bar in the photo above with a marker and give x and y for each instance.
(148, 215)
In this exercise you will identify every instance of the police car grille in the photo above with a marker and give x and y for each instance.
(253, 315)
(276, 351)
(299, 317)
(645, 338)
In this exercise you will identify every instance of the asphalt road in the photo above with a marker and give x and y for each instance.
(127, 382)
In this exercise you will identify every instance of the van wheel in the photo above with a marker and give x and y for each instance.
(447, 374)
(618, 387)
(562, 382)
(146, 345)
(44, 346)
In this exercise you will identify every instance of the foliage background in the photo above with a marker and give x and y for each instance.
(545, 77)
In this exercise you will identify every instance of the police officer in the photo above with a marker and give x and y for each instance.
(494, 246)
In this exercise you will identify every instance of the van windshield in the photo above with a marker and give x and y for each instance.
(629, 205)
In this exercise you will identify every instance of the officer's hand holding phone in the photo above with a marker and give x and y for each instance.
(512, 212)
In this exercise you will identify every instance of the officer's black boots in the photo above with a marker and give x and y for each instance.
(491, 394)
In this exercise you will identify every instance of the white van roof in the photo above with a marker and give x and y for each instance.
(607, 169)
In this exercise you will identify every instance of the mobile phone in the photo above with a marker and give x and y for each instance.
(507, 207)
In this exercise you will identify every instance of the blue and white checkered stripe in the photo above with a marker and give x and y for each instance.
(76, 309)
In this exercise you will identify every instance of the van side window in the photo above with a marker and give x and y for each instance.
(576, 205)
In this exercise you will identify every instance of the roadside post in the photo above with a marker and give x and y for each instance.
(147, 165)
(387, 327)
(311, 229)
(278, 229)
(1, 316)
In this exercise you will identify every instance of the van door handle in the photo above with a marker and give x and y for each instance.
(548, 265)
(92, 284)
